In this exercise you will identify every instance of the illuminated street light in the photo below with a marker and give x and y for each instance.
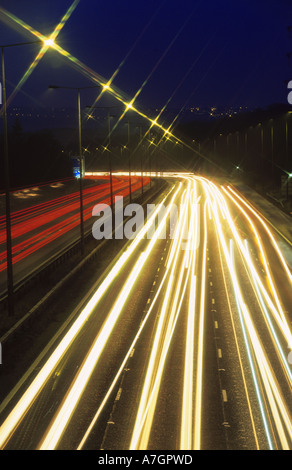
(129, 105)
(49, 42)
(106, 86)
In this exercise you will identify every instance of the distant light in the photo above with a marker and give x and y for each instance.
(290, 175)
(49, 42)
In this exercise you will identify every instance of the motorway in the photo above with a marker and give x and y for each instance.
(182, 344)
(42, 230)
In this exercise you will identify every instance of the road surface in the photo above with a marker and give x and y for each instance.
(40, 231)
(184, 343)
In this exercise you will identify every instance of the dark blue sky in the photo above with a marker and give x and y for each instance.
(210, 52)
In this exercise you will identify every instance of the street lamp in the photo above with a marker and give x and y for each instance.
(10, 284)
(78, 89)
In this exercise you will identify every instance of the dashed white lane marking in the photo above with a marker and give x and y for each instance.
(224, 395)
(118, 394)
(213, 301)
(216, 324)
(220, 353)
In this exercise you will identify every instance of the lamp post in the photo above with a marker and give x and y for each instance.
(287, 184)
(81, 159)
(10, 283)
(130, 179)
(109, 116)
(237, 146)
(142, 189)
(110, 158)
(262, 143)
(287, 136)
(272, 141)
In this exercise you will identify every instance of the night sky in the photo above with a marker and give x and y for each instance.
(200, 53)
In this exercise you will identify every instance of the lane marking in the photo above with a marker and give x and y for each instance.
(118, 396)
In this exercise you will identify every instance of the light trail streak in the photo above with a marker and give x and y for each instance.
(33, 390)
(279, 316)
(27, 220)
(265, 262)
(22, 225)
(276, 402)
(62, 418)
(153, 303)
(273, 394)
(59, 424)
(184, 282)
(239, 353)
(187, 414)
(273, 333)
(168, 317)
(187, 401)
(214, 198)
(260, 218)
(199, 377)
(251, 361)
